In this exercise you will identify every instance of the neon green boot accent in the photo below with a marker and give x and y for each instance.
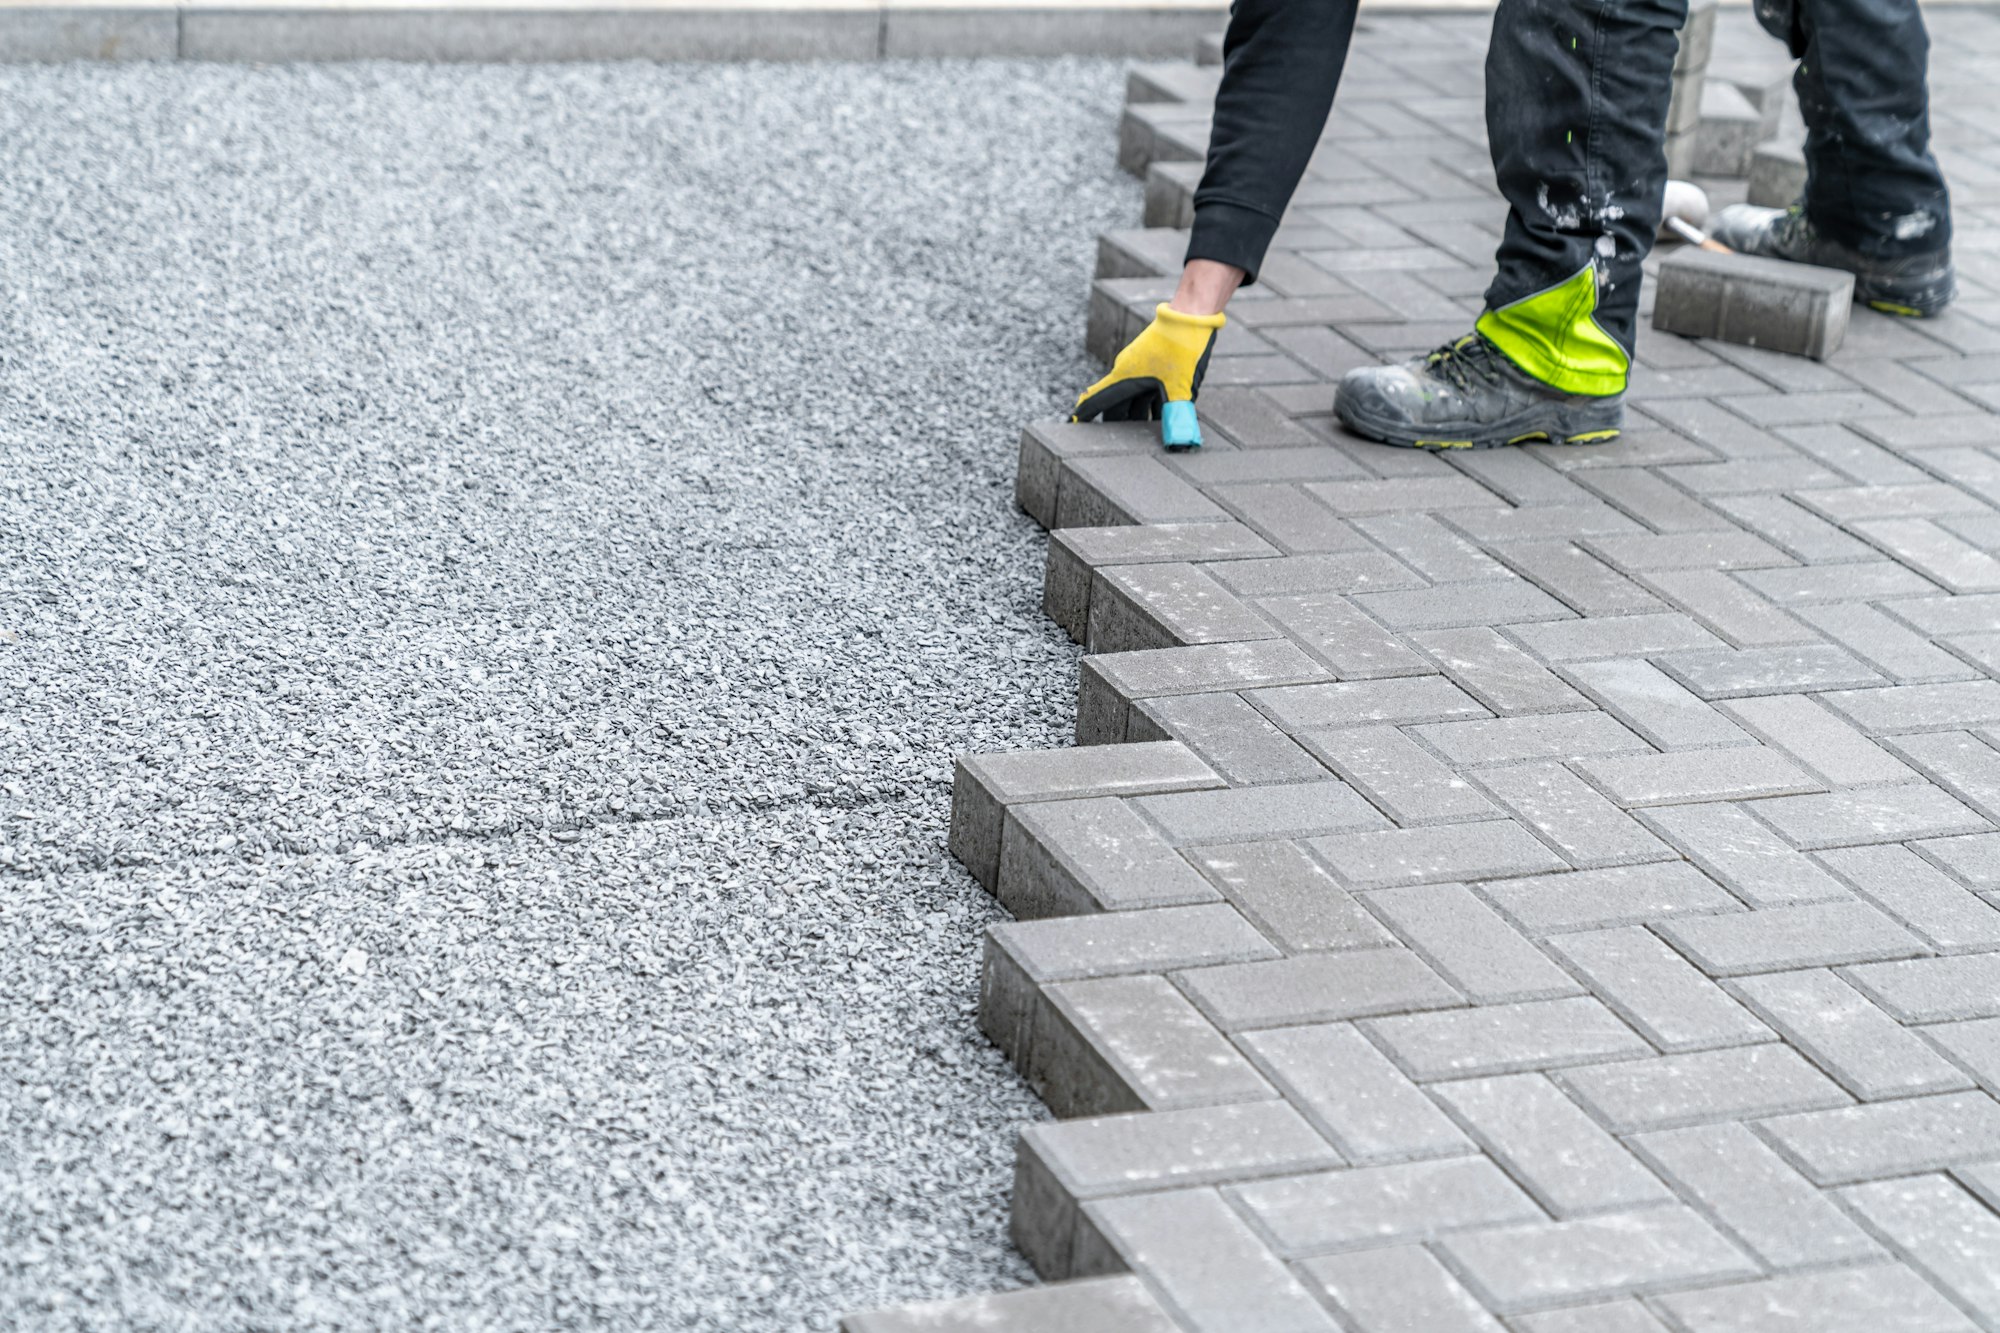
(1554, 337)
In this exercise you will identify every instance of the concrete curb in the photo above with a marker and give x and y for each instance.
(838, 30)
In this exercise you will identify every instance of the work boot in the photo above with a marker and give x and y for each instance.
(1915, 285)
(1468, 395)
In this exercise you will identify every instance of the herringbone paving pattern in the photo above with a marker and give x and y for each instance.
(1545, 890)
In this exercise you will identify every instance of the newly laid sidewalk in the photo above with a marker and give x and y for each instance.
(1543, 890)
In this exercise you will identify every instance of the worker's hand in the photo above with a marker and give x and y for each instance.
(1157, 376)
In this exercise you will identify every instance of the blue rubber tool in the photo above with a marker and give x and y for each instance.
(1179, 428)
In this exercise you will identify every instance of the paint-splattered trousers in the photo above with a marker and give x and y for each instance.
(1576, 108)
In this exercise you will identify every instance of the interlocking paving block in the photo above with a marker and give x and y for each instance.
(1060, 1166)
(1353, 703)
(1397, 774)
(1941, 1230)
(1386, 1291)
(1884, 1298)
(1645, 699)
(1763, 1204)
(1900, 708)
(1616, 896)
(1505, 1038)
(1432, 549)
(1809, 584)
(1094, 1305)
(1613, 636)
(1453, 605)
(1496, 672)
(1229, 735)
(1548, 1144)
(1378, 1205)
(1875, 814)
(1469, 944)
(1132, 1044)
(1492, 849)
(1568, 813)
(1777, 173)
(1337, 632)
(1959, 762)
(1973, 859)
(1616, 1317)
(1208, 1267)
(1775, 938)
(1290, 810)
(1290, 896)
(1727, 133)
(1830, 748)
(1888, 645)
(1402, 495)
(1755, 863)
(1364, 1105)
(1047, 445)
(1576, 578)
(1682, 777)
(1931, 990)
(1653, 501)
(1102, 490)
(985, 785)
(1871, 1054)
(1023, 957)
(1657, 991)
(1722, 604)
(1934, 552)
(1948, 916)
(1316, 988)
(1975, 1045)
(1734, 673)
(1722, 549)
(1322, 572)
(1109, 683)
(1735, 1083)
(1164, 606)
(1510, 740)
(1524, 1268)
(1895, 1138)
(1075, 553)
(1061, 858)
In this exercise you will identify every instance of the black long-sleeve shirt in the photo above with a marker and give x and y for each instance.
(1281, 62)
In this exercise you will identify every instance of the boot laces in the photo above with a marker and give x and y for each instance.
(1462, 362)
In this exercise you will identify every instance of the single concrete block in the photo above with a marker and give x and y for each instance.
(1523, 1268)
(1316, 988)
(1545, 1141)
(1895, 1138)
(1697, 41)
(1757, 302)
(1150, 132)
(984, 785)
(1728, 132)
(1390, 1290)
(1337, 1210)
(1290, 897)
(1059, 1167)
(1505, 1038)
(1736, 1083)
(1657, 991)
(1095, 1305)
(1777, 173)
(1170, 188)
(1210, 1268)
(1046, 445)
(1874, 1299)
(1171, 81)
(1364, 1105)
(1023, 958)
(1132, 1044)
(1064, 858)
(1076, 553)
(1777, 938)
(1768, 1207)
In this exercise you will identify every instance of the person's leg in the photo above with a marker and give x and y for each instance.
(1875, 202)
(1576, 113)
(1872, 183)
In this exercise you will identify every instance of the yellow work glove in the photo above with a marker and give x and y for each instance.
(1157, 376)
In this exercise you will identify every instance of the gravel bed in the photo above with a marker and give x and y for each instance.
(494, 564)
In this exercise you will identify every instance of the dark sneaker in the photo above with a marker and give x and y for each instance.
(1468, 395)
(1914, 285)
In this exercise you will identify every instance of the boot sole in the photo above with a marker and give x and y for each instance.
(1563, 424)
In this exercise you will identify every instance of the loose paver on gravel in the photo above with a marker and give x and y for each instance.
(1652, 982)
(494, 566)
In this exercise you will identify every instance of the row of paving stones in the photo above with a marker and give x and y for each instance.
(1547, 890)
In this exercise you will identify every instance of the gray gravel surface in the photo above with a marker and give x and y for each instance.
(494, 564)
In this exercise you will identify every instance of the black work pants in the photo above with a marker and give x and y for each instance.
(1576, 105)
